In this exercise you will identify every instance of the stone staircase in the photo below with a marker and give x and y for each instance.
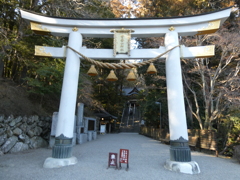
(130, 129)
(130, 120)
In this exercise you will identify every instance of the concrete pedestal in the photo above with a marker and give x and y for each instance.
(74, 139)
(57, 163)
(94, 135)
(80, 129)
(81, 138)
(90, 136)
(51, 141)
(183, 167)
(80, 110)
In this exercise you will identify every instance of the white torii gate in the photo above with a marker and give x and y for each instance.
(170, 28)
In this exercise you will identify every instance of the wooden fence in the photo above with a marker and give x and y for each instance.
(198, 139)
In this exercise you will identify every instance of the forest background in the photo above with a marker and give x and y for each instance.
(32, 85)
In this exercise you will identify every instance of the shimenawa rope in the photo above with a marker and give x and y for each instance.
(121, 65)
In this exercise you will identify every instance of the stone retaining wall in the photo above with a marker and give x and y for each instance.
(22, 133)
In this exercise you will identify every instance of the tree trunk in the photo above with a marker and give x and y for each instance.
(1, 68)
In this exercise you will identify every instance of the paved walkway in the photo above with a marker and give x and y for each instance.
(147, 159)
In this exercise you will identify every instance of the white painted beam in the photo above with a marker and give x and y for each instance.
(185, 52)
(140, 32)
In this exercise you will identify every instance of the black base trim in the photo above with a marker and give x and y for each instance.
(179, 150)
(62, 148)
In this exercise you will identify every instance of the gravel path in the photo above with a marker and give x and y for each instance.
(146, 161)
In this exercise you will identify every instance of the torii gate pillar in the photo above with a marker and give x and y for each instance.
(62, 150)
(180, 153)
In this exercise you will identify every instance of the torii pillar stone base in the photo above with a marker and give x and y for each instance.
(183, 167)
(57, 163)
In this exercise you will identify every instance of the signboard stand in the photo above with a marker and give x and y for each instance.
(103, 129)
(112, 160)
(124, 158)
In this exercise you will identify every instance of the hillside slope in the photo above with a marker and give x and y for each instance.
(15, 100)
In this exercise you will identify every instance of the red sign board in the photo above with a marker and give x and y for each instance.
(124, 155)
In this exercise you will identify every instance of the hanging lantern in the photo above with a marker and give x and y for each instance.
(112, 76)
(131, 76)
(92, 71)
(151, 69)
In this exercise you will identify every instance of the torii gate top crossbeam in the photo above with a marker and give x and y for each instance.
(144, 27)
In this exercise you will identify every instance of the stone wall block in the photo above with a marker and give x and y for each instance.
(18, 119)
(46, 131)
(27, 139)
(18, 124)
(19, 146)
(2, 131)
(9, 132)
(28, 128)
(37, 142)
(12, 123)
(30, 133)
(30, 120)
(22, 137)
(37, 131)
(41, 123)
(3, 139)
(9, 119)
(48, 119)
(23, 127)
(2, 118)
(24, 119)
(1, 125)
(17, 131)
(48, 125)
(46, 136)
(36, 118)
(9, 144)
(32, 126)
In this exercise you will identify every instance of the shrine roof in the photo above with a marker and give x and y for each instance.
(104, 114)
